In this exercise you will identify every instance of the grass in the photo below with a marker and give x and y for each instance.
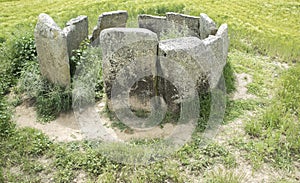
(223, 176)
(263, 35)
(254, 25)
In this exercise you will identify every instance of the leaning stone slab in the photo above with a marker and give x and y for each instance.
(207, 26)
(108, 20)
(182, 21)
(156, 24)
(52, 51)
(76, 31)
(132, 52)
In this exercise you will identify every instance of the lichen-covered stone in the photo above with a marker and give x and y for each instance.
(223, 33)
(207, 26)
(219, 48)
(156, 24)
(76, 31)
(181, 21)
(192, 55)
(52, 50)
(124, 46)
(108, 20)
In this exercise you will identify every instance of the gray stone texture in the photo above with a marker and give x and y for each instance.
(219, 48)
(223, 33)
(76, 31)
(123, 46)
(181, 21)
(52, 50)
(156, 24)
(190, 54)
(108, 20)
(207, 26)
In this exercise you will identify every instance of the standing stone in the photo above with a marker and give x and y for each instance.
(191, 55)
(223, 33)
(122, 47)
(207, 26)
(76, 31)
(156, 24)
(182, 21)
(219, 47)
(52, 51)
(108, 20)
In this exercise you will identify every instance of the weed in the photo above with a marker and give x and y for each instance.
(6, 125)
(225, 176)
(52, 100)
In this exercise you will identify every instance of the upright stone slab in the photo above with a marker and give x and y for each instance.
(76, 31)
(52, 51)
(219, 46)
(123, 51)
(108, 20)
(207, 26)
(191, 55)
(223, 33)
(156, 24)
(181, 21)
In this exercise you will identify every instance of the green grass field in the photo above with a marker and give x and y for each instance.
(272, 26)
(264, 35)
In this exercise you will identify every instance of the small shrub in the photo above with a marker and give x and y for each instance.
(52, 100)
(76, 57)
(14, 54)
(22, 50)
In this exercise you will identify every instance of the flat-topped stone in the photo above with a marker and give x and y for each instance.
(108, 20)
(122, 47)
(156, 24)
(181, 21)
(76, 31)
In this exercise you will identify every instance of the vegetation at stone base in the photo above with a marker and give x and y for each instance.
(87, 82)
(262, 34)
(19, 66)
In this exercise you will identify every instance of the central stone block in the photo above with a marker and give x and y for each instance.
(133, 52)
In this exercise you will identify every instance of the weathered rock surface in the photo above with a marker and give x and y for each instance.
(76, 31)
(219, 48)
(133, 52)
(108, 20)
(156, 24)
(182, 21)
(192, 57)
(52, 50)
(223, 33)
(207, 26)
